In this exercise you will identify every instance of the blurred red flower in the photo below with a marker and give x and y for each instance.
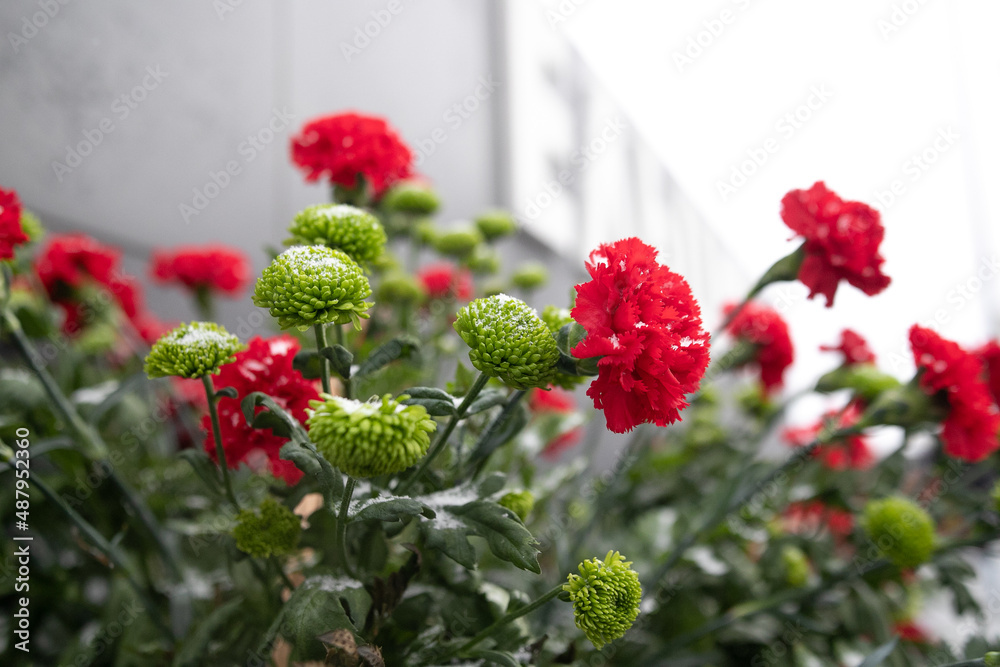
(841, 241)
(911, 632)
(443, 280)
(11, 233)
(212, 267)
(554, 400)
(970, 429)
(642, 319)
(266, 365)
(812, 515)
(767, 331)
(341, 147)
(854, 348)
(559, 444)
(989, 355)
(850, 453)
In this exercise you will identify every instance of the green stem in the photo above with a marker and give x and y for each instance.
(479, 458)
(340, 342)
(203, 303)
(110, 551)
(220, 451)
(442, 439)
(510, 616)
(321, 344)
(340, 537)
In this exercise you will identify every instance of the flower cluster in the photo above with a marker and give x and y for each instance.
(342, 147)
(369, 439)
(970, 429)
(642, 319)
(352, 230)
(767, 332)
(11, 232)
(851, 452)
(265, 365)
(605, 597)
(273, 530)
(192, 351)
(853, 347)
(842, 241)
(443, 280)
(215, 268)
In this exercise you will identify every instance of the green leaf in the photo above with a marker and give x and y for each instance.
(227, 392)
(291, 427)
(500, 431)
(509, 540)
(464, 378)
(491, 484)
(309, 364)
(390, 509)
(321, 604)
(495, 658)
(486, 400)
(569, 336)
(437, 402)
(340, 360)
(879, 655)
(452, 542)
(398, 348)
(203, 466)
(195, 647)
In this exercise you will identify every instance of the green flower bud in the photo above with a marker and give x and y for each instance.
(411, 197)
(509, 341)
(385, 262)
(901, 529)
(191, 351)
(992, 659)
(519, 502)
(494, 288)
(308, 285)
(555, 319)
(369, 439)
(425, 232)
(353, 230)
(483, 260)
(496, 224)
(796, 566)
(530, 276)
(400, 288)
(458, 243)
(605, 597)
(273, 530)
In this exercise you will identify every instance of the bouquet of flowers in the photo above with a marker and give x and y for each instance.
(390, 468)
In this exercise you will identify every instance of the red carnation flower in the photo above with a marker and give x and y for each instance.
(989, 356)
(67, 261)
(266, 365)
(767, 331)
(641, 318)
(559, 444)
(443, 280)
(554, 400)
(211, 267)
(841, 241)
(850, 453)
(970, 429)
(11, 233)
(854, 348)
(910, 632)
(344, 146)
(813, 515)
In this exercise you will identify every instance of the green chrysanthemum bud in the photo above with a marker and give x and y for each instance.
(519, 502)
(369, 439)
(605, 597)
(509, 341)
(307, 285)
(796, 566)
(483, 260)
(425, 232)
(400, 288)
(385, 262)
(530, 276)
(494, 288)
(458, 243)
(555, 319)
(496, 224)
(353, 230)
(191, 351)
(274, 530)
(411, 197)
(992, 659)
(901, 529)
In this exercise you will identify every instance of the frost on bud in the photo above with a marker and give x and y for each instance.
(605, 597)
(530, 276)
(411, 197)
(400, 289)
(191, 351)
(508, 340)
(901, 530)
(273, 530)
(496, 224)
(369, 439)
(352, 230)
(308, 285)
(457, 243)
(519, 502)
